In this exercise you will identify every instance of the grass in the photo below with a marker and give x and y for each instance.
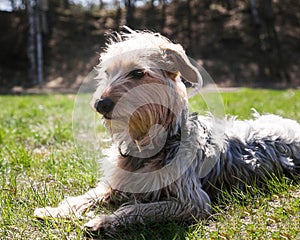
(40, 165)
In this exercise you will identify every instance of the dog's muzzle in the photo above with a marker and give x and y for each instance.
(104, 106)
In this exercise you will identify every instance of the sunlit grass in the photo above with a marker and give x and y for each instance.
(40, 165)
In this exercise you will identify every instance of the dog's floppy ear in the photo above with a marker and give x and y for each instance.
(180, 63)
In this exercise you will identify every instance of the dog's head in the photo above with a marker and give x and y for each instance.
(141, 93)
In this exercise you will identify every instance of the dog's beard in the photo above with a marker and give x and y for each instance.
(147, 123)
(144, 130)
(145, 116)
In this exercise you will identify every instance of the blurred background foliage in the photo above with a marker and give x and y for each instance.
(55, 43)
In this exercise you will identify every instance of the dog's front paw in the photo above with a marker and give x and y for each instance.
(103, 222)
(72, 206)
(58, 212)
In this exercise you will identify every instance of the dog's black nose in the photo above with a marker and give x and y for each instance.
(104, 106)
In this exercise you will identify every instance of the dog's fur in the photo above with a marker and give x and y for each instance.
(167, 163)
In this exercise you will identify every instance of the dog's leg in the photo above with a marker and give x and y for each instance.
(74, 205)
(141, 212)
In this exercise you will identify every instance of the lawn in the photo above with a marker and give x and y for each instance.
(41, 165)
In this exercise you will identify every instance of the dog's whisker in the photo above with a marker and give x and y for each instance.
(138, 145)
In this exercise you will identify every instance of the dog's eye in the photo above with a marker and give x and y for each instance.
(137, 73)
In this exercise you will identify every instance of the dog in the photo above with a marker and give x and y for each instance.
(167, 163)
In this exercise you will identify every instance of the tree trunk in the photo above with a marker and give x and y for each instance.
(66, 4)
(163, 14)
(35, 44)
(272, 45)
(101, 4)
(43, 10)
(130, 6)
(189, 23)
(152, 3)
(13, 4)
(31, 43)
(39, 43)
(228, 5)
(118, 17)
(254, 12)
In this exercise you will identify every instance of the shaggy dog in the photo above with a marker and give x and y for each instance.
(167, 163)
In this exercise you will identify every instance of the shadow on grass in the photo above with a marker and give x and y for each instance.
(155, 230)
